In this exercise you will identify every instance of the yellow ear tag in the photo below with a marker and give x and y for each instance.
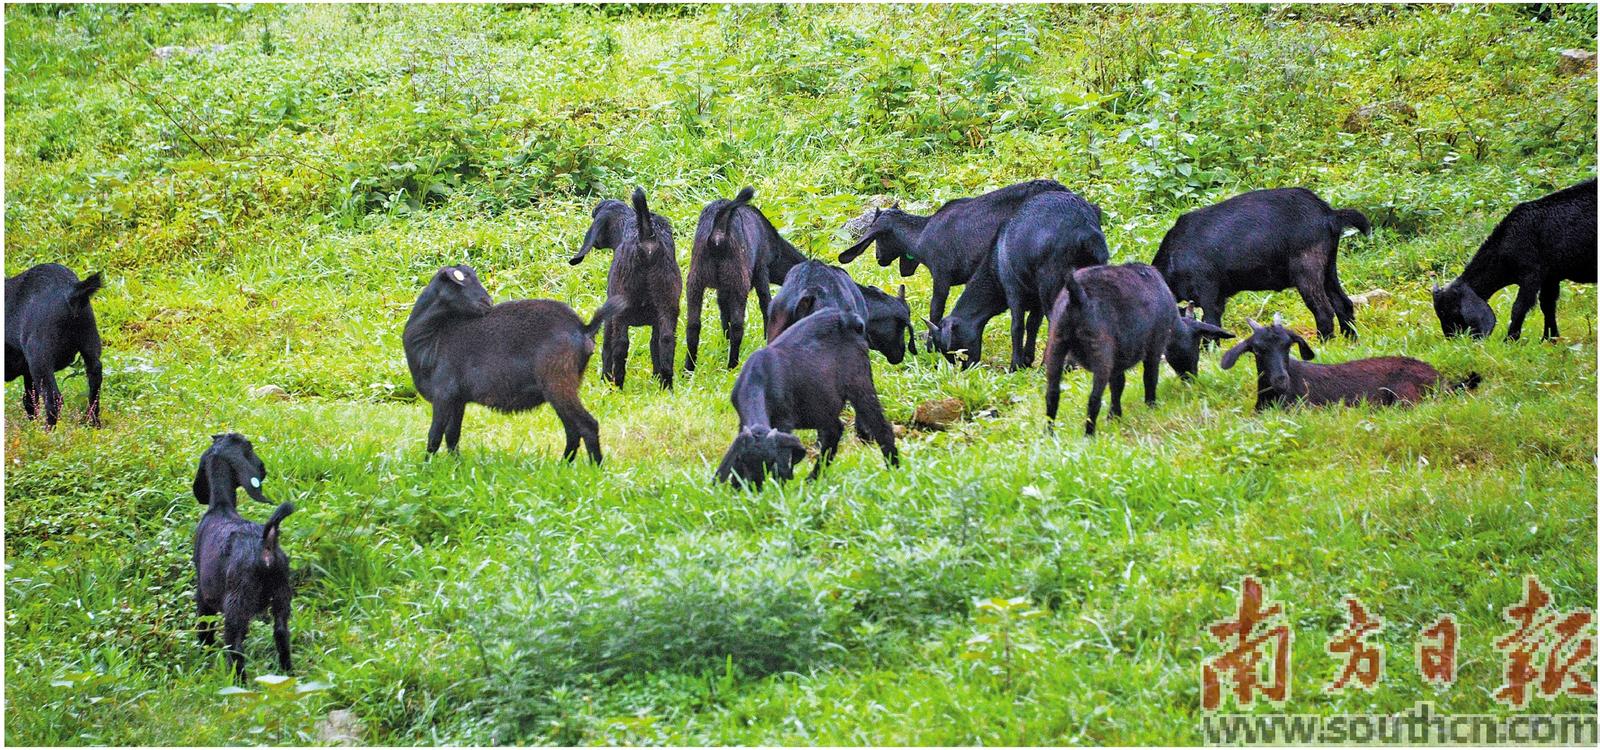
(460, 276)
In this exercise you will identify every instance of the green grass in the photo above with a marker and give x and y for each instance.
(266, 214)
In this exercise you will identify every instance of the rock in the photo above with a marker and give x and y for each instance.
(1357, 121)
(938, 413)
(857, 227)
(1575, 61)
(269, 391)
(173, 50)
(1366, 298)
(339, 727)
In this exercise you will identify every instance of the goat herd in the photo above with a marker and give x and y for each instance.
(1035, 249)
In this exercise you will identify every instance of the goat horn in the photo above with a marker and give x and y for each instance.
(1277, 319)
(1254, 326)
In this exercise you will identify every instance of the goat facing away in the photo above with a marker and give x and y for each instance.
(644, 273)
(241, 572)
(1282, 380)
(49, 323)
(736, 250)
(463, 348)
(1109, 318)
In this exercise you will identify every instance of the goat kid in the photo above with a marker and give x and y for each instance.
(241, 572)
(644, 272)
(1109, 318)
(736, 250)
(814, 285)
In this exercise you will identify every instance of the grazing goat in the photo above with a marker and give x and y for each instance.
(49, 323)
(644, 273)
(959, 336)
(1052, 235)
(1109, 318)
(735, 250)
(1263, 240)
(463, 348)
(1537, 246)
(802, 380)
(1188, 336)
(1281, 380)
(813, 285)
(240, 570)
(954, 243)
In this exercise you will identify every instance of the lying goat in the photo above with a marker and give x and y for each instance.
(644, 272)
(802, 380)
(1537, 246)
(1109, 318)
(1281, 379)
(463, 348)
(813, 285)
(48, 324)
(240, 571)
(736, 250)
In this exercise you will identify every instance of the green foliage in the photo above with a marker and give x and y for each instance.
(267, 195)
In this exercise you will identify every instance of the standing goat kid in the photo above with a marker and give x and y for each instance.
(240, 570)
(736, 250)
(1109, 318)
(644, 273)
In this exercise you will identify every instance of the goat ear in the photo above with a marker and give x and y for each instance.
(202, 481)
(1232, 355)
(1305, 347)
(857, 249)
(805, 306)
(1208, 331)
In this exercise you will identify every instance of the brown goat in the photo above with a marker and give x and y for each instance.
(1282, 380)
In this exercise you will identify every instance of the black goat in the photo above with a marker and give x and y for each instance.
(49, 322)
(463, 348)
(1281, 379)
(1052, 235)
(1109, 318)
(735, 250)
(814, 285)
(1263, 240)
(1537, 246)
(954, 243)
(959, 336)
(1188, 337)
(240, 570)
(802, 380)
(644, 273)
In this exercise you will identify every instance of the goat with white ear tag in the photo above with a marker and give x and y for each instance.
(240, 569)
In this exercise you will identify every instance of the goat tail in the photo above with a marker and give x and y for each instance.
(269, 533)
(83, 290)
(612, 306)
(1470, 384)
(1349, 217)
(725, 214)
(641, 214)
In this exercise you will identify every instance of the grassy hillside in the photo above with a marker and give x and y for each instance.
(268, 188)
